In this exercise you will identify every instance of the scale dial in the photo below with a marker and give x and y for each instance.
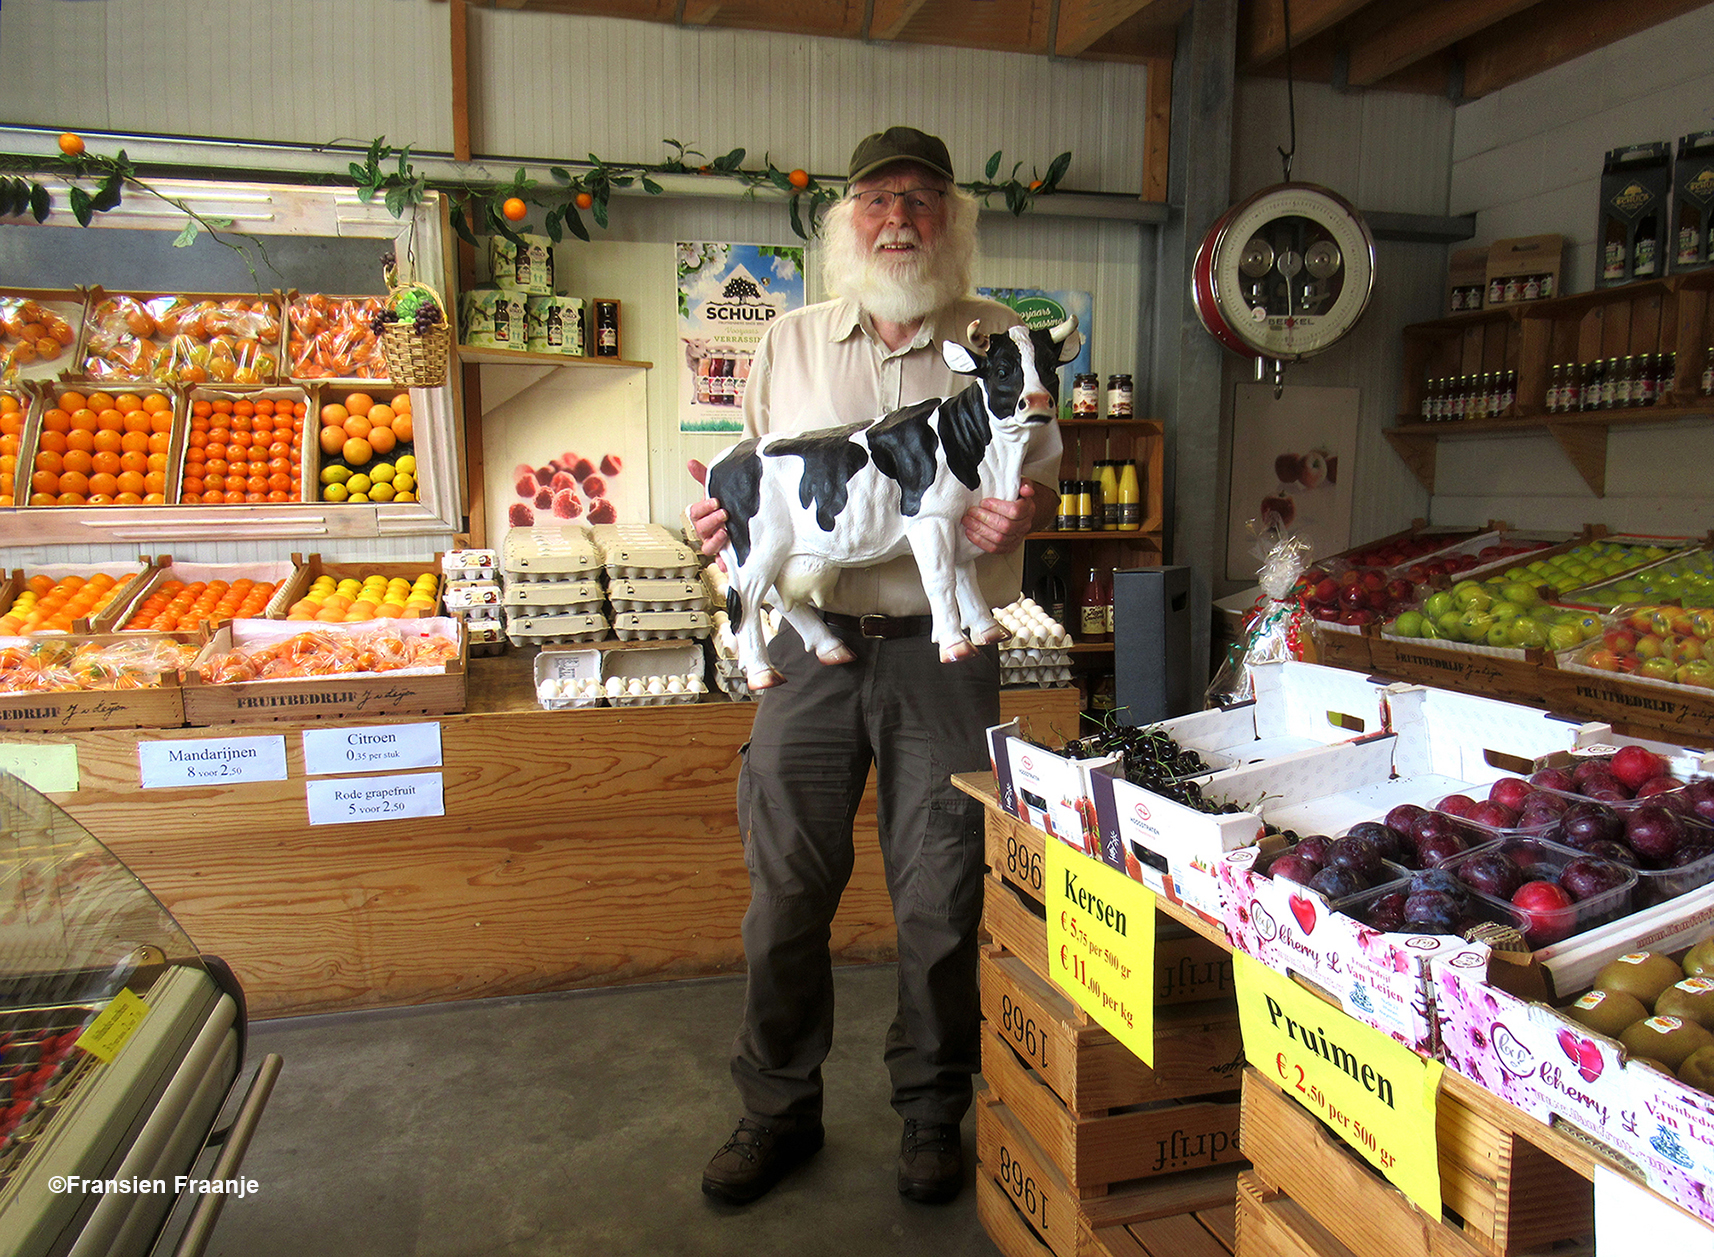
(1285, 273)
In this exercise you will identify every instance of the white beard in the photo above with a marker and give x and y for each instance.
(897, 287)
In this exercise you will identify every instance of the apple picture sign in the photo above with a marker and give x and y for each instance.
(1292, 461)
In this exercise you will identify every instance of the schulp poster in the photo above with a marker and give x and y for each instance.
(1039, 308)
(728, 294)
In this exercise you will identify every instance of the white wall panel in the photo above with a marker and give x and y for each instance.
(310, 71)
(1527, 159)
(552, 85)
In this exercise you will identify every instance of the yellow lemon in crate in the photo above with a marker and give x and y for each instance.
(335, 493)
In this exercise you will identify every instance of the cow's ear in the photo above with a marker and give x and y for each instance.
(1069, 347)
(959, 358)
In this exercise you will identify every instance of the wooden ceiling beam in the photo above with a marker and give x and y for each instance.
(997, 25)
(1421, 33)
(1082, 22)
(889, 17)
(1552, 34)
(1261, 27)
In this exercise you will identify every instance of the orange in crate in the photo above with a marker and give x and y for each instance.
(244, 450)
(176, 605)
(47, 605)
(94, 450)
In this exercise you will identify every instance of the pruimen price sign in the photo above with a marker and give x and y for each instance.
(1369, 1089)
(1101, 945)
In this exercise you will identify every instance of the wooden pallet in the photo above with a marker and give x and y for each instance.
(1095, 1150)
(1073, 1227)
(1504, 1200)
(1189, 968)
(1198, 1047)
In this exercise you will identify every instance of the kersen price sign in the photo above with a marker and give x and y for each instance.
(1101, 945)
(1372, 1091)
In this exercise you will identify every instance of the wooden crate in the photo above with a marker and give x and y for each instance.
(1202, 1232)
(1068, 1226)
(1009, 1230)
(1511, 1201)
(62, 711)
(311, 567)
(1430, 663)
(337, 697)
(1095, 1150)
(1198, 1047)
(1271, 1224)
(1688, 714)
(1339, 649)
(1014, 851)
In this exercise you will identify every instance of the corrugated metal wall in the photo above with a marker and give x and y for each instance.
(1526, 160)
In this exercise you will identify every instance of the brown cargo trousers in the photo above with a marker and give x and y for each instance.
(916, 721)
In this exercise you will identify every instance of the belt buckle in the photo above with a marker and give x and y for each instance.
(872, 625)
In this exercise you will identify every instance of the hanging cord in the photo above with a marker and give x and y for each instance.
(1291, 99)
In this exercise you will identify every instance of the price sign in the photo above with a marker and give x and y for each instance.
(352, 800)
(50, 767)
(212, 761)
(114, 1025)
(1369, 1089)
(1101, 945)
(349, 749)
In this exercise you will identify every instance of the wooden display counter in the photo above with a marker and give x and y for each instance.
(578, 848)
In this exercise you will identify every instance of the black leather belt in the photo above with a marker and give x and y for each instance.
(882, 625)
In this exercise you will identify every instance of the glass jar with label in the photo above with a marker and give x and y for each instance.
(1086, 397)
(1119, 396)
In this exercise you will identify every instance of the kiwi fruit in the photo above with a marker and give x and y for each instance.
(1665, 1041)
(1690, 1000)
(1698, 1070)
(1699, 960)
(1607, 1012)
(1643, 975)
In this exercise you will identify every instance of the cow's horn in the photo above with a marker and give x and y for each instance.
(1064, 329)
(978, 338)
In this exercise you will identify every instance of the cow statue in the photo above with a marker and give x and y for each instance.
(799, 506)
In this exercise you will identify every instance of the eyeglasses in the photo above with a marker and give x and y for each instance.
(919, 202)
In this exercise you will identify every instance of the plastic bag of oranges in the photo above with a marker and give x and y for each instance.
(36, 338)
(331, 338)
(183, 339)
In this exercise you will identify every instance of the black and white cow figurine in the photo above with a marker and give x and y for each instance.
(799, 505)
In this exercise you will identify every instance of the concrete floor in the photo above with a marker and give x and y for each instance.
(568, 1124)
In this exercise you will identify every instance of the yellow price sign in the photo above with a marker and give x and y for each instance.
(1368, 1088)
(114, 1025)
(1101, 945)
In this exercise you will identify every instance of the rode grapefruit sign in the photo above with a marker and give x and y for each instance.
(1101, 945)
(1368, 1088)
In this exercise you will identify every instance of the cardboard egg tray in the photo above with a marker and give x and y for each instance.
(458, 565)
(582, 595)
(541, 630)
(643, 552)
(657, 595)
(1035, 676)
(470, 595)
(1045, 657)
(733, 687)
(632, 626)
(548, 553)
(679, 659)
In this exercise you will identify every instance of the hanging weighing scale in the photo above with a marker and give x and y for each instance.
(1284, 274)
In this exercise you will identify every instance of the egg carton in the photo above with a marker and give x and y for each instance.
(1011, 657)
(485, 637)
(1031, 627)
(538, 630)
(655, 700)
(469, 564)
(657, 595)
(643, 552)
(467, 594)
(487, 613)
(568, 704)
(1034, 676)
(550, 552)
(631, 626)
(582, 595)
(734, 687)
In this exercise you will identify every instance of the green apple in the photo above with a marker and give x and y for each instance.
(1503, 610)
(1451, 625)
(1409, 624)
(1564, 636)
(1661, 669)
(1472, 598)
(1699, 673)
(1474, 624)
(1520, 592)
(1499, 634)
(1437, 605)
(1431, 632)
(1527, 633)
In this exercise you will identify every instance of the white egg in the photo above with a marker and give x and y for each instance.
(634, 686)
(697, 685)
(675, 685)
(615, 686)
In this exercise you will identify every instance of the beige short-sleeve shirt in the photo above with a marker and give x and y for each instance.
(824, 366)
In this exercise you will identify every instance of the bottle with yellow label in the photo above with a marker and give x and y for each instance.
(1130, 514)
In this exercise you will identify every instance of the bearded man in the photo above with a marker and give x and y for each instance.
(898, 251)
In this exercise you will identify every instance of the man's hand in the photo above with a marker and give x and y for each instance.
(999, 525)
(706, 516)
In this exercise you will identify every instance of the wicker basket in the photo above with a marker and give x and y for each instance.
(416, 360)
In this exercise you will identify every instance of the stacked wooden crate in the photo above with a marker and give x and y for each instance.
(1083, 1149)
(1308, 1194)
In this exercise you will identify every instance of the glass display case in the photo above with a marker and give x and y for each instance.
(119, 1048)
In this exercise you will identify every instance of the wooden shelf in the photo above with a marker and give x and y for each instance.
(1150, 533)
(1581, 434)
(1147, 424)
(1090, 648)
(523, 358)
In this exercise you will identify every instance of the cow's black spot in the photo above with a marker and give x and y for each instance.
(736, 483)
(965, 431)
(903, 445)
(830, 459)
(734, 607)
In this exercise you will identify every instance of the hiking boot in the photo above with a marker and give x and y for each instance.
(756, 1157)
(931, 1162)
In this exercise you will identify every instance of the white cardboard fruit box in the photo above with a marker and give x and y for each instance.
(1297, 707)
(1441, 742)
(1658, 1129)
(1040, 788)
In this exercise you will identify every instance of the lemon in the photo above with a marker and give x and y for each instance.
(359, 483)
(358, 497)
(404, 497)
(406, 463)
(404, 482)
(382, 492)
(334, 492)
(381, 473)
(335, 474)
